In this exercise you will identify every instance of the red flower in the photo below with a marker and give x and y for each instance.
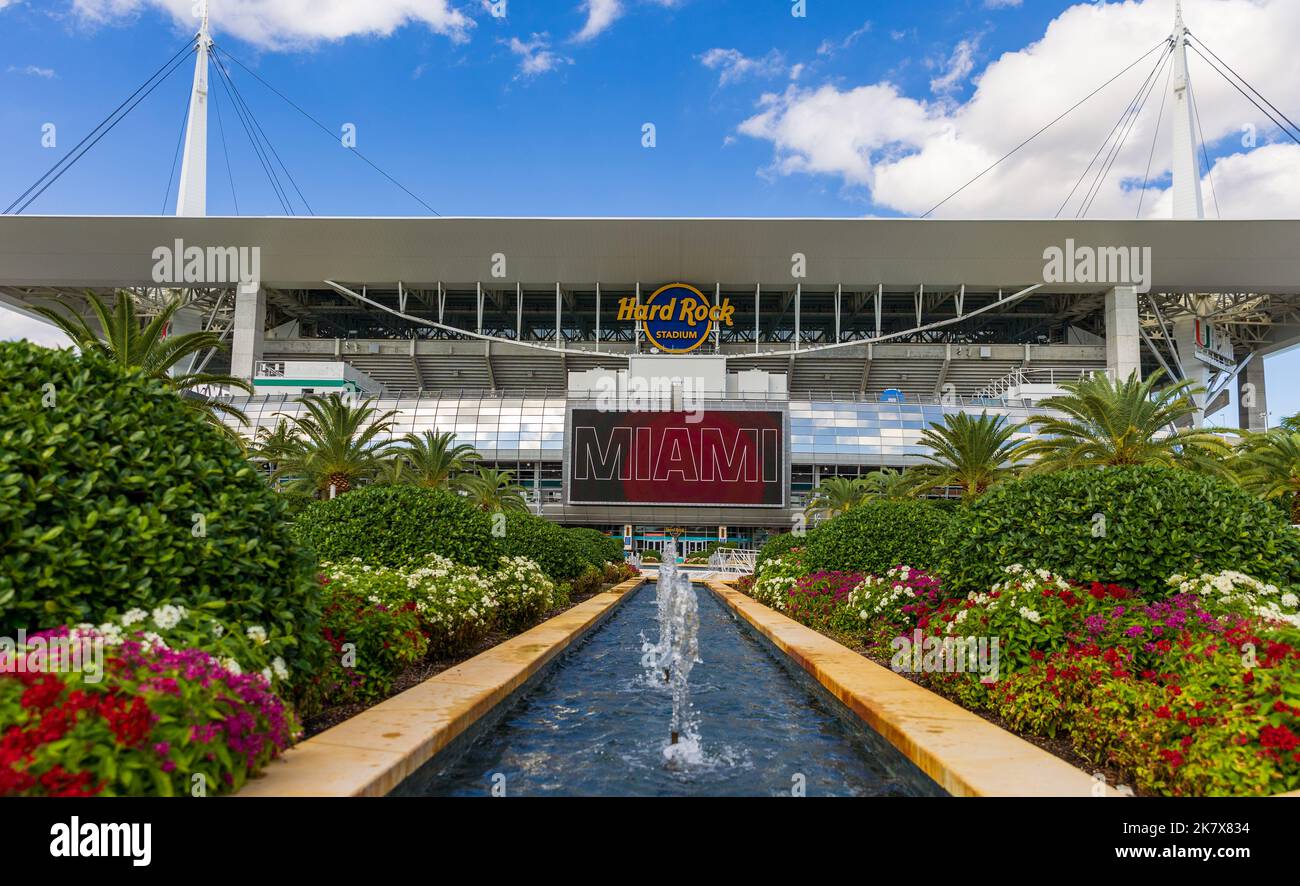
(1162, 712)
(1279, 737)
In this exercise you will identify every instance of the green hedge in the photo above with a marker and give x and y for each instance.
(399, 526)
(878, 535)
(1155, 522)
(545, 543)
(115, 495)
(779, 545)
(596, 547)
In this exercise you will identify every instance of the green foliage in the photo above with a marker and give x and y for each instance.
(969, 453)
(491, 490)
(596, 547)
(1269, 466)
(295, 502)
(456, 606)
(878, 535)
(589, 581)
(125, 338)
(1154, 522)
(398, 526)
(1099, 422)
(372, 644)
(115, 495)
(835, 495)
(435, 459)
(152, 722)
(335, 444)
(545, 543)
(778, 546)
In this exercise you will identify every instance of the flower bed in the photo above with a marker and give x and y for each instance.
(151, 721)
(1192, 693)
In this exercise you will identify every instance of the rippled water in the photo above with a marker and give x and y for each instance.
(597, 724)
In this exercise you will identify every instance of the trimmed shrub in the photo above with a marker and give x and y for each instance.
(1134, 526)
(876, 536)
(547, 544)
(399, 526)
(295, 502)
(589, 582)
(778, 546)
(116, 495)
(596, 547)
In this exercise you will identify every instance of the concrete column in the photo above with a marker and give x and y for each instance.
(1198, 373)
(1252, 396)
(187, 319)
(1123, 341)
(249, 334)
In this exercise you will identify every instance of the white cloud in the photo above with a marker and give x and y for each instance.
(288, 24)
(957, 68)
(1001, 4)
(906, 154)
(535, 55)
(15, 326)
(600, 15)
(4, 3)
(35, 71)
(831, 47)
(736, 66)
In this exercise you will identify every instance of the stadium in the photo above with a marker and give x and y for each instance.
(851, 336)
(497, 329)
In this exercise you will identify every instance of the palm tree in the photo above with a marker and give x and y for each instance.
(132, 343)
(969, 453)
(1269, 466)
(492, 490)
(889, 483)
(1123, 423)
(337, 444)
(434, 461)
(270, 446)
(835, 495)
(394, 471)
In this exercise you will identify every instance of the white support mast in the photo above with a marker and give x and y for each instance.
(192, 198)
(1187, 176)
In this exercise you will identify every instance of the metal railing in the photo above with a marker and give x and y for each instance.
(734, 561)
(1020, 377)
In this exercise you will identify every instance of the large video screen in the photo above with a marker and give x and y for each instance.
(709, 457)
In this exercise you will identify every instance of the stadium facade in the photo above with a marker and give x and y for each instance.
(698, 374)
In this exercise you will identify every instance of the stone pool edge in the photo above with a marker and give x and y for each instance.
(965, 754)
(372, 753)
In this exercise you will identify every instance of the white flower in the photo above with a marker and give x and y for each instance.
(153, 640)
(218, 629)
(1290, 601)
(281, 670)
(231, 665)
(167, 617)
(134, 615)
(257, 634)
(1029, 614)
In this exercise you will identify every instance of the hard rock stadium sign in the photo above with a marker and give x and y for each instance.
(717, 457)
(677, 318)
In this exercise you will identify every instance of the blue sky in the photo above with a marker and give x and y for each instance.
(846, 111)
